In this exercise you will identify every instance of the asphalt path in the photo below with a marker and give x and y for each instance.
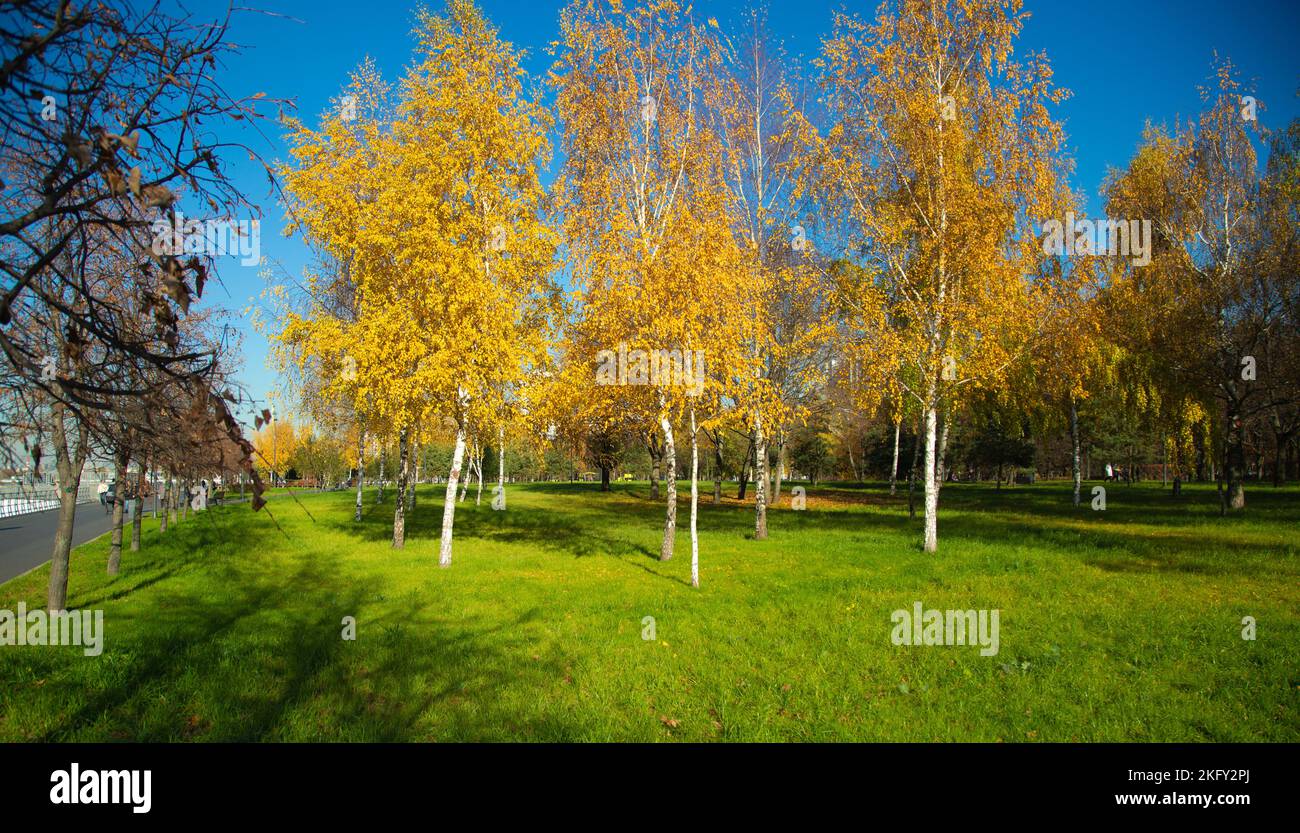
(26, 541)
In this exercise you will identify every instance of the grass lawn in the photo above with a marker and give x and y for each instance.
(1123, 625)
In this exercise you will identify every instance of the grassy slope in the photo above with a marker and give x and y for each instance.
(1122, 625)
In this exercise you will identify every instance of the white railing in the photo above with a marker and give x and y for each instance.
(27, 501)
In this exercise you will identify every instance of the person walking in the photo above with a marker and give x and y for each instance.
(128, 493)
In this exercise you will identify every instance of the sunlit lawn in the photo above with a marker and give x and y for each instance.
(1115, 625)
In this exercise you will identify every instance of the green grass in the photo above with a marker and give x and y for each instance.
(1117, 625)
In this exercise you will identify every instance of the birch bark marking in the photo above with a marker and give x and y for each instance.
(670, 489)
(501, 460)
(478, 467)
(695, 502)
(449, 499)
(1076, 469)
(931, 487)
(403, 473)
(893, 469)
(760, 480)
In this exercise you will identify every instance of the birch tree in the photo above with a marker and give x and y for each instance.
(942, 158)
(439, 218)
(629, 85)
(756, 107)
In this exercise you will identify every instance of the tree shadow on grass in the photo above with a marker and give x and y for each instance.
(1119, 548)
(534, 528)
(294, 678)
(1122, 540)
(248, 649)
(648, 569)
(1145, 502)
(1144, 529)
(133, 581)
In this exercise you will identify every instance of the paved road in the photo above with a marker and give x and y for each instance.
(26, 540)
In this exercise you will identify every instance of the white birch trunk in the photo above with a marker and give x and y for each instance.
(695, 502)
(403, 475)
(478, 469)
(941, 452)
(469, 477)
(670, 487)
(449, 499)
(780, 468)
(931, 486)
(1077, 470)
(760, 479)
(893, 470)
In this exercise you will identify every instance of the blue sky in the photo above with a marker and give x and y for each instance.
(1126, 61)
